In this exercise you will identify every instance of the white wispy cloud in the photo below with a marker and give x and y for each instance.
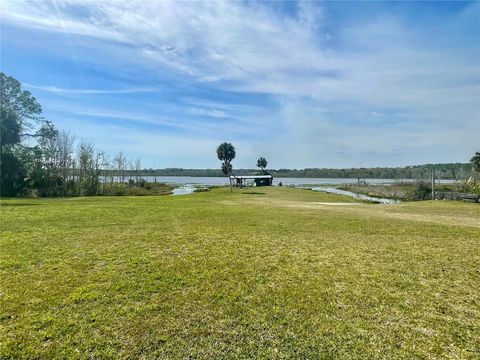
(207, 112)
(203, 127)
(208, 40)
(64, 91)
(259, 50)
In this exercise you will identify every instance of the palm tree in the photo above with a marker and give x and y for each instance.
(226, 153)
(262, 164)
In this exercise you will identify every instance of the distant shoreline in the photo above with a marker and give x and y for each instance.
(450, 171)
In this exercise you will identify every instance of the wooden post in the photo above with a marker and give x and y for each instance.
(433, 183)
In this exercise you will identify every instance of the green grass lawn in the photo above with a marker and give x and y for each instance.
(269, 273)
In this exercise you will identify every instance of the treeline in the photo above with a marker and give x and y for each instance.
(39, 160)
(454, 171)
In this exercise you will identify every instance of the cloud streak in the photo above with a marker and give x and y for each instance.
(64, 91)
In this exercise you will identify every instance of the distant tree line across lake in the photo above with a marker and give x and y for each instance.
(454, 171)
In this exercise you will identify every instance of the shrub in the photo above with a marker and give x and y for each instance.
(117, 189)
(473, 186)
(421, 191)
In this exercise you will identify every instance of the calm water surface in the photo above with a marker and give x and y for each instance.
(184, 190)
(208, 181)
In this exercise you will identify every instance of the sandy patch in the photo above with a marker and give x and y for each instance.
(314, 205)
(367, 210)
(336, 203)
(436, 219)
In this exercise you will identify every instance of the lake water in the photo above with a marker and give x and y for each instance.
(186, 189)
(332, 190)
(209, 181)
(183, 190)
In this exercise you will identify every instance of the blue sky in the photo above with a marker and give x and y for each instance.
(304, 84)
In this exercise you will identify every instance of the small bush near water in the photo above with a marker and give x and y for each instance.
(422, 191)
(473, 186)
(130, 189)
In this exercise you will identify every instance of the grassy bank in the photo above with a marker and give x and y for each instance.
(270, 272)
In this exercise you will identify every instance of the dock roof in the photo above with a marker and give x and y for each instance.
(247, 177)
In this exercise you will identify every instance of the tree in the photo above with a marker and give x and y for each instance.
(100, 163)
(45, 174)
(20, 112)
(90, 163)
(131, 165)
(226, 153)
(37, 159)
(120, 162)
(475, 161)
(65, 150)
(9, 127)
(50, 164)
(13, 174)
(262, 164)
(28, 111)
(12, 171)
(226, 168)
(138, 167)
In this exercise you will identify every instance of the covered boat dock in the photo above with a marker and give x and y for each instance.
(251, 180)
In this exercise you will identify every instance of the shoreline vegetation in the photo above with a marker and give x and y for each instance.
(404, 191)
(136, 189)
